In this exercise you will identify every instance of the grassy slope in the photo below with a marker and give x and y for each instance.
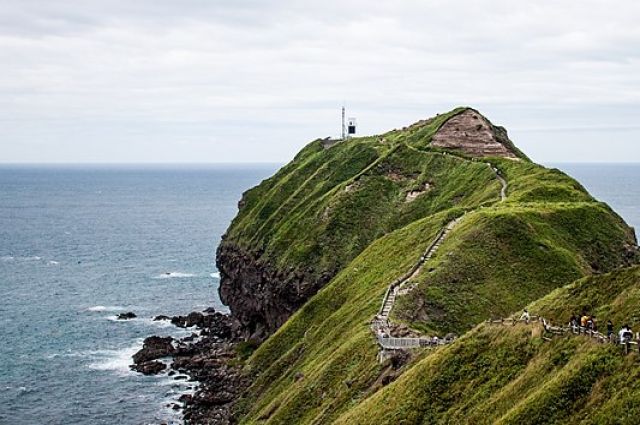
(548, 233)
(508, 375)
(328, 340)
(500, 258)
(302, 217)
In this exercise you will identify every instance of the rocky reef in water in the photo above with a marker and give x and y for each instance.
(208, 357)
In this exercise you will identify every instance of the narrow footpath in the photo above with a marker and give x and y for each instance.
(381, 325)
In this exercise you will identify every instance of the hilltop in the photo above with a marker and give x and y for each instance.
(313, 250)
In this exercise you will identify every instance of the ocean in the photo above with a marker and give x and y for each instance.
(80, 244)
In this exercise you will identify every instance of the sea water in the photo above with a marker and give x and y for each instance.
(616, 184)
(78, 245)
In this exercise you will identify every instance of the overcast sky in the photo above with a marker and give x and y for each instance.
(254, 81)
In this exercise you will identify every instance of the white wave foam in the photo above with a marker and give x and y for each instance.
(164, 327)
(215, 275)
(8, 258)
(96, 308)
(157, 323)
(67, 354)
(178, 386)
(53, 263)
(114, 360)
(24, 390)
(169, 275)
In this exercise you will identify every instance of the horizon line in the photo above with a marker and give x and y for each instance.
(244, 163)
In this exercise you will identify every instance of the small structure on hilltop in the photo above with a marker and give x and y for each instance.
(348, 129)
(351, 127)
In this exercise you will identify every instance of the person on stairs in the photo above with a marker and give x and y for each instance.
(583, 320)
(625, 334)
(573, 322)
(594, 323)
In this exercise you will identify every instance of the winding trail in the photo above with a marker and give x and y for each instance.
(381, 324)
(503, 182)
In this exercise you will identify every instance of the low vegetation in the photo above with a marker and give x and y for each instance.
(344, 211)
(510, 375)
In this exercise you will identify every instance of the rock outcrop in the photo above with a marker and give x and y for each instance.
(154, 347)
(471, 133)
(211, 359)
(126, 316)
(260, 297)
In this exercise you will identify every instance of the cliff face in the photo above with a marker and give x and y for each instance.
(261, 297)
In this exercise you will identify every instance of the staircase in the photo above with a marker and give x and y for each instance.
(380, 324)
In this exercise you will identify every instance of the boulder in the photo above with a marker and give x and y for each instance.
(194, 318)
(149, 368)
(153, 348)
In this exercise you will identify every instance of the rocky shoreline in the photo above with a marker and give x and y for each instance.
(209, 356)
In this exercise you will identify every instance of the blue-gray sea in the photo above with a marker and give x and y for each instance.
(80, 244)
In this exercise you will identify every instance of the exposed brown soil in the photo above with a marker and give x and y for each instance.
(470, 133)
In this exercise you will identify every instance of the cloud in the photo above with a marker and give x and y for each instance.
(104, 80)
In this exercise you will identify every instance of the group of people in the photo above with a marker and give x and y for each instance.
(588, 322)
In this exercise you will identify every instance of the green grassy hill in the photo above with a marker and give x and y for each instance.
(509, 375)
(348, 220)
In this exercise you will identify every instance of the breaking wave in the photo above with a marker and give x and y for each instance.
(170, 275)
(105, 308)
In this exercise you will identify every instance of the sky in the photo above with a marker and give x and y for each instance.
(205, 81)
